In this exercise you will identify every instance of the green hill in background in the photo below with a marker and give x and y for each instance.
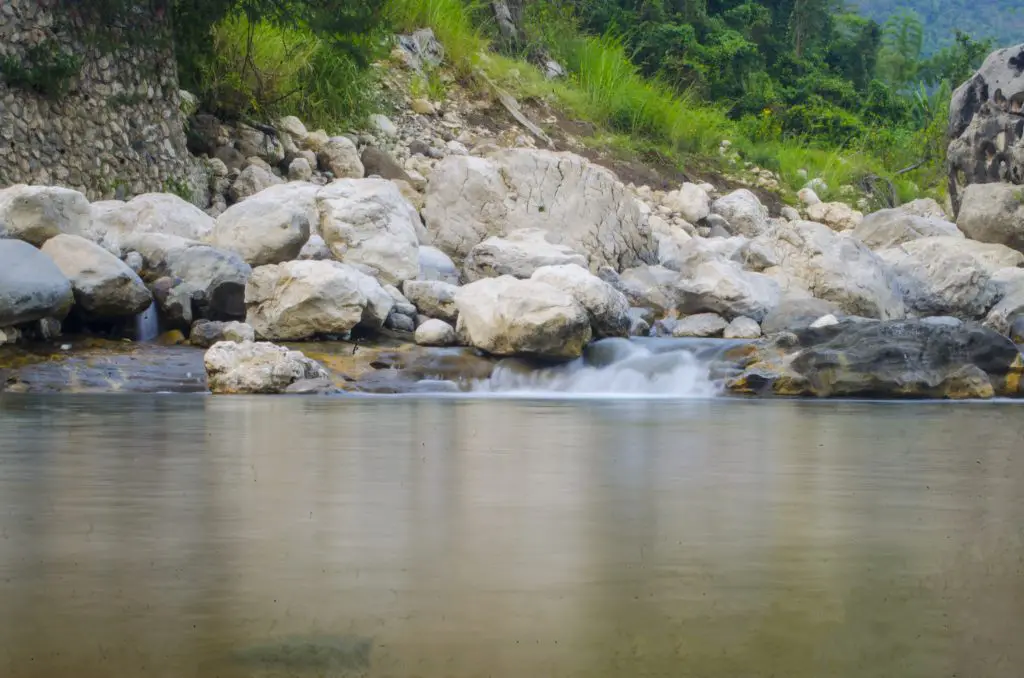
(1001, 20)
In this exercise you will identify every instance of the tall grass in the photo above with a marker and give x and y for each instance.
(452, 23)
(264, 71)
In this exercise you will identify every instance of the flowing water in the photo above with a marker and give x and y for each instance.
(147, 324)
(180, 536)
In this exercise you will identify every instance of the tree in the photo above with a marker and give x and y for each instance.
(899, 60)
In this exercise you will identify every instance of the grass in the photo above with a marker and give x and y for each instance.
(607, 89)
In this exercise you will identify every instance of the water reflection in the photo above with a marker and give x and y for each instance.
(236, 537)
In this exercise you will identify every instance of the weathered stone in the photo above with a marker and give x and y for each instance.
(893, 359)
(37, 213)
(580, 205)
(742, 328)
(303, 299)
(518, 254)
(257, 367)
(340, 157)
(32, 287)
(993, 213)
(700, 325)
(435, 332)
(796, 313)
(436, 265)
(690, 201)
(300, 169)
(725, 288)
(508, 316)
(649, 287)
(744, 213)
(368, 224)
(378, 162)
(251, 181)
(433, 298)
(206, 333)
(267, 228)
(158, 213)
(103, 285)
(836, 215)
(608, 308)
(889, 228)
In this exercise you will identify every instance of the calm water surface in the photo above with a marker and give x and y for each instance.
(171, 537)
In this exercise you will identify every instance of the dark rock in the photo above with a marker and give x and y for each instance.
(231, 157)
(379, 162)
(418, 147)
(890, 359)
(32, 287)
(206, 333)
(1017, 330)
(986, 125)
(400, 322)
(203, 132)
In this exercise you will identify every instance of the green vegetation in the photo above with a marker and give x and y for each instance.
(45, 69)
(1000, 20)
(800, 87)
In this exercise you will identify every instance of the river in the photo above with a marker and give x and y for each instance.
(449, 536)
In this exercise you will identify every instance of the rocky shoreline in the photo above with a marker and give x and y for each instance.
(473, 239)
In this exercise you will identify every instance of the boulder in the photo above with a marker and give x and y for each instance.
(924, 207)
(257, 367)
(993, 213)
(837, 268)
(744, 212)
(435, 332)
(436, 265)
(518, 254)
(103, 285)
(304, 299)
(690, 201)
(315, 249)
(368, 224)
(379, 162)
(37, 213)
(206, 333)
(650, 287)
(433, 298)
(508, 316)
(268, 228)
(940, 278)
(889, 228)
(742, 328)
(216, 278)
(700, 325)
(723, 287)
(836, 215)
(300, 169)
(796, 313)
(688, 255)
(990, 256)
(340, 157)
(986, 137)
(160, 213)
(1010, 285)
(580, 205)
(251, 181)
(608, 308)
(890, 359)
(32, 287)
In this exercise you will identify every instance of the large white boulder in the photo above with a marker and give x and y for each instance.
(608, 308)
(37, 213)
(508, 316)
(518, 254)
(580, 205)
(368, 224)
(993, 213)
(257, 367)
(32, 287)
(159, 213)
(103, 285)
(837, 268)
(303, 299)
(723, 287)
(744, 212)
(889, 228)
(268, 228)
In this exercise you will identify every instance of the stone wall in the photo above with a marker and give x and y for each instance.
(116, 132)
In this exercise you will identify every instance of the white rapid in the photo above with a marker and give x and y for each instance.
(147, 324)
(676, 368)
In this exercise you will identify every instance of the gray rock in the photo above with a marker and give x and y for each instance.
(993, 213)
(650, 287)
(267, 228)
(892, 227)
(700, 325)
(400, 322)
(103, 285)
(518, 254)
(206, 333)
(300, 169)
(744, 213)
(796, 313)
(435, 332)
(340, 157)
(251, 181)
(320, 386)
(37, 213)
(608, 308)
(433, 298)
(725, 288)
(379, 162)
(436, 265)
(32, 287)
(742, 328)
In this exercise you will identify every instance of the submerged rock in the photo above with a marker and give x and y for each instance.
(257, 367)
(894, 359)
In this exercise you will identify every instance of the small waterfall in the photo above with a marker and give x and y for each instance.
(677, 368)
(147, 324)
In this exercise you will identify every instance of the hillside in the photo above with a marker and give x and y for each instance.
(1001, 20)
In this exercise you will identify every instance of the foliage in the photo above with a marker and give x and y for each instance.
(1001, 21)
(45, 69)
